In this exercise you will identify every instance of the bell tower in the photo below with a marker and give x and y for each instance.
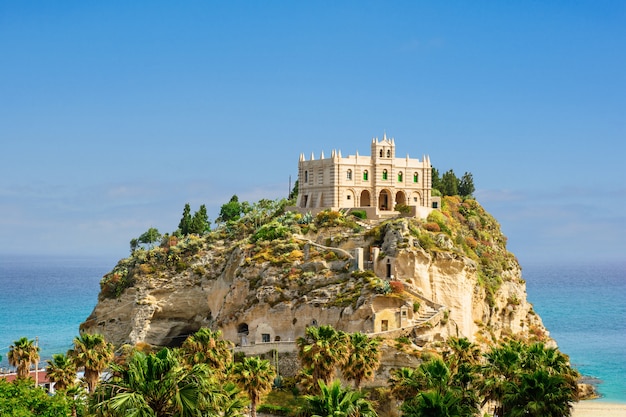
(385, 149)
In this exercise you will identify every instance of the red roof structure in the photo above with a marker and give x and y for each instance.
(41, 374)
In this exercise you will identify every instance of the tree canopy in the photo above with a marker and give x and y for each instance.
(22, 354)
(231, 210)
(449, 185)
(198, 223)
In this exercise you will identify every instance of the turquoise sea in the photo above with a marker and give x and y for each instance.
(583, 306)
(47, 297)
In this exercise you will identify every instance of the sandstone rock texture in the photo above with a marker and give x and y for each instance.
(415, 283)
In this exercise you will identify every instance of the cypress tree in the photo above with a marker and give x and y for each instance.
(185, 222)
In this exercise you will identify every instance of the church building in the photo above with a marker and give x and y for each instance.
(377, 183)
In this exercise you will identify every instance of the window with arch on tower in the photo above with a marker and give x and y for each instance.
(385, 174)
(400, 176)
(349, 174)
(365, 175)
(306, 176)
(388, 153)
(415, 177)
(381, 153)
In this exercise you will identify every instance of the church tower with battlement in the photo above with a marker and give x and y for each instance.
(377, 183)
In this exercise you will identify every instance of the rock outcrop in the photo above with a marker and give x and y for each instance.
(448, 275)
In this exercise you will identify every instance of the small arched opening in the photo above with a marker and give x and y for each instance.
(243, 332)
(365, 199)
(242, 328)
(401, 198)
(384, 200)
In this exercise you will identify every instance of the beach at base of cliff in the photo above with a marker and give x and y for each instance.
(595, 408)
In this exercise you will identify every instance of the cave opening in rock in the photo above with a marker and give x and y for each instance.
(178, 335)
(242, 328)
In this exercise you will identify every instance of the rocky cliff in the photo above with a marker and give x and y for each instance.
(263, 282)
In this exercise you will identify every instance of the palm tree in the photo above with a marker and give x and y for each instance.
(62, 371)
(334, 401)
(363, 359)
(461, 351)
(539, 394)
(231, 403)
(94, 353)
(155, 385)
(404, 383)
(463, 359)
(322, 349)
(207, 346)
(555, 362)
(434, 375)
(432, 390)
(254, 376)
(22, 354)
(502, 365)
(434, 404)
(529, 380)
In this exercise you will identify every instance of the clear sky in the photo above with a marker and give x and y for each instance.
(114, 114)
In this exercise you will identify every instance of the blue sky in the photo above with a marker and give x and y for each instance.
(115, 114)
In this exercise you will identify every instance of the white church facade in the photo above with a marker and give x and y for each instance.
(377, 183)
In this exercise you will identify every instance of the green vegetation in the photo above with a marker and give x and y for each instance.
(255, 377)
(154, 385)
(62, 370)
(231, 211)
(450, 185)
(519, 379)
(22, 354)
(363, 359)
(92, 353)
(22, 399)
(335, 401)
(321, 351)
(201, 378)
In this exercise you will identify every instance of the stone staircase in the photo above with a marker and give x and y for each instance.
(426, 313)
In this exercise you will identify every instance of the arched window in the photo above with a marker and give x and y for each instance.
(385, 174)
(400, 176)
(349, 174)
(415, 177)
(365, 175)
(388, 153)
(381, 153)
(306, 176)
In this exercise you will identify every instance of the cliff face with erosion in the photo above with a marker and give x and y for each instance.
(448, 275)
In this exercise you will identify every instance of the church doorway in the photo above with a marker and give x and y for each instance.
(365, 199)
(384, 200)
(401, 198)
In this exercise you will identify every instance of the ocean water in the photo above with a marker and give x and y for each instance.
(583, 307)
(47, 297)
